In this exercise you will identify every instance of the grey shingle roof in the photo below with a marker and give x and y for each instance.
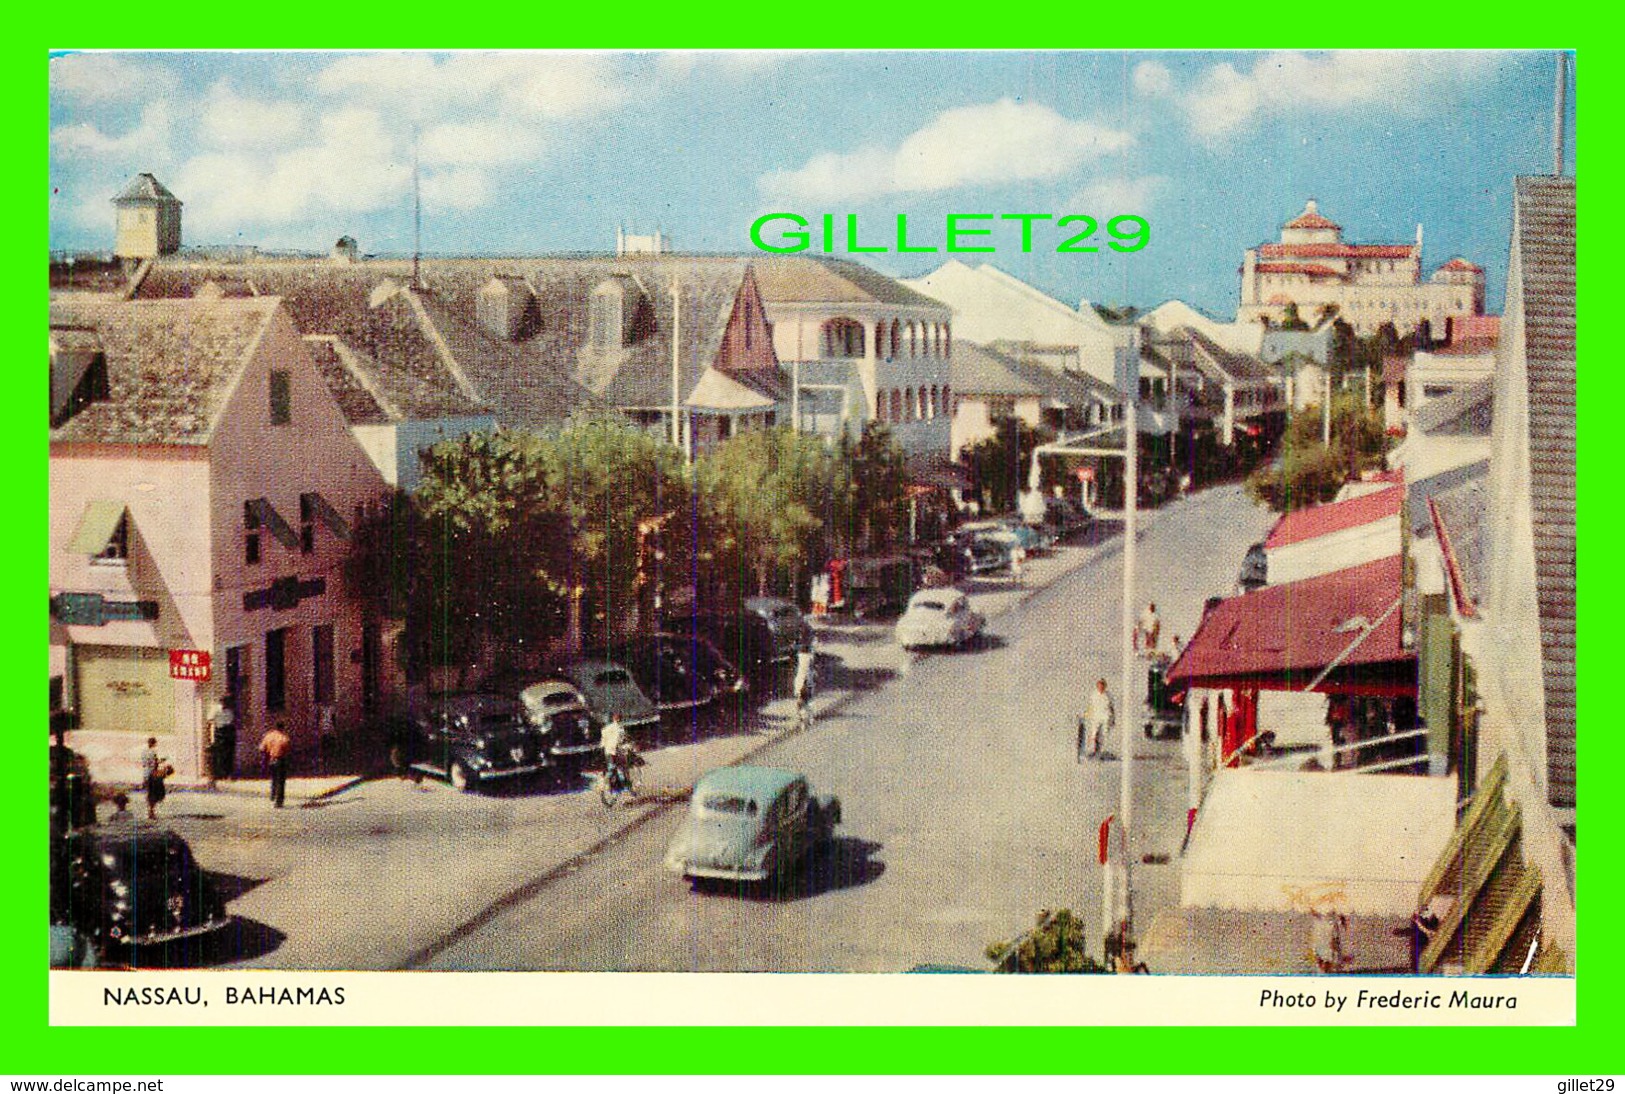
(170, 365)
(792, 279)
(1466, 412)
(975, 370)
(144, 187)
(537, 381)
(1545, 243)
(1242, 367)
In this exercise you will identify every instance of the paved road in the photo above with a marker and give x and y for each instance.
(964, 810)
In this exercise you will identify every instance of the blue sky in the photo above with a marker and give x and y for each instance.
(526, 153)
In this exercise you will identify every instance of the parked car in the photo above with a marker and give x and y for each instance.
(129, 885)
(609, 689)
(467, 738)
(1254, 569)
(743, 639)
(880, 586)
(677, 672)
(971, 553)
(1065, 517)
(749, 823)
(938, 617)
(1010, 533)
(791, 631)
(557, 711)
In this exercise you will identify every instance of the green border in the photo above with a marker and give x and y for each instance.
(35, 1048)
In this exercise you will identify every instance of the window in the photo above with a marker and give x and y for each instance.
(251, 534)
(307, 524)
(321, 663)
(843, 338)
(117, 551)
(896, 338)
(947, 340)
(237, 674)
(281, 396)
(276, 669)
(896, 405)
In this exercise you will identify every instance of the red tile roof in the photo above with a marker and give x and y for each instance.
(1284, 636)
(1310, 220)
(1337, 250)
(1321, 520)
(1314, 269)
(1459, 263)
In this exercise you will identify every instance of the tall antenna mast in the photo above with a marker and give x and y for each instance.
(417, 216)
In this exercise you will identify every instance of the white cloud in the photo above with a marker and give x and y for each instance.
(457, 189)
(1114, 196)
(147, 142)
(107, 78)
(1226, 100)
(536, 85)
(1152, 79)
(478, 143)
(998, 142)
(231, 121)
(732, 63)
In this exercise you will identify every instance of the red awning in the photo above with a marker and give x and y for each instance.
(1337, 516)
(1284, 637)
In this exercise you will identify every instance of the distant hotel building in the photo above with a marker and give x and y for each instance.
(1369, 283)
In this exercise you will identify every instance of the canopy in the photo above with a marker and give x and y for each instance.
(1363, 844)
(1340, 632)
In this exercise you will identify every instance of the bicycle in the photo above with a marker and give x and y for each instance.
(616, 782)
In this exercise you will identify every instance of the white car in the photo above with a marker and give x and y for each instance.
(938, 617)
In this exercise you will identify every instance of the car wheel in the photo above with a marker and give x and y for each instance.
(459, 777)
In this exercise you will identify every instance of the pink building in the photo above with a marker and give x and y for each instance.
(203, 489)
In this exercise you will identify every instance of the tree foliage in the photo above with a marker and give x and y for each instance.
(1307, 472)
(1000, 463)
(1055, 944)
(872, 513)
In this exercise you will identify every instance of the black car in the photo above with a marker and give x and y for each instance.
(965, 553)
(791, 631)
(131, 885)
(468, 739)
(1063, 517)
(557, 711)
(678, 672)
(609, 689)
(743, 638)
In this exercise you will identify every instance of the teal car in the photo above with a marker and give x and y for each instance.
(751, 824)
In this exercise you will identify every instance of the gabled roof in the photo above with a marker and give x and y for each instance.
(1338, 516)
(1467, 411)
(1221, 363)
(1310, 218)
(976, 370)
(171, 365)
(143, 188)
(1070, 388)
(806, 279)
(425, 351)
(1284, 636)
(1544, 245)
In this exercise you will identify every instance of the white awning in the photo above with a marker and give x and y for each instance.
(1287, 840)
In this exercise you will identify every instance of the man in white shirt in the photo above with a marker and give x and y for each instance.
(1097, 719)
(612, 739)
(1150, 628)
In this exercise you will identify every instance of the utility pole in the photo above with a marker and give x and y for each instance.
(1127, 704)
(417, 215)
(1326, 413)
(676, 365)
(1559, 110)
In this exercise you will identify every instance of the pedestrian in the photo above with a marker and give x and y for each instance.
(1327, 929)
(611, 739)
(1018, 559)
(154, 769)
(805, 658)
(223, 738)
(1097, 719)
(1150, 628)
(276, 745)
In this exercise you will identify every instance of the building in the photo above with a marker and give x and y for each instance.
(992, 383)
(1366, 284)
(857, 345)
(1168, 317)
(148, 220)
(522, 343)
(203, 489)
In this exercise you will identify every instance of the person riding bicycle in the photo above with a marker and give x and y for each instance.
(804, 682)
(616, 748)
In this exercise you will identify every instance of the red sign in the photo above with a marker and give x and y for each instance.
(189, 664)
(1086, 474)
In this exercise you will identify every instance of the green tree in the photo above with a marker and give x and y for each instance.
(1055, 944)
(871, 513)
(1307, 472)
(1000, 463)
(1290, 319)
(765, 501)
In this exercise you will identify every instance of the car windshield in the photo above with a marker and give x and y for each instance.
(731, 804)
(611, 677)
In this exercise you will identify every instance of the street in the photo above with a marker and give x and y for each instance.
(965, 812)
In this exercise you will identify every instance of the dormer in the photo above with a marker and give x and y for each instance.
(619, 313)
(505, 308)
(78, 372)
